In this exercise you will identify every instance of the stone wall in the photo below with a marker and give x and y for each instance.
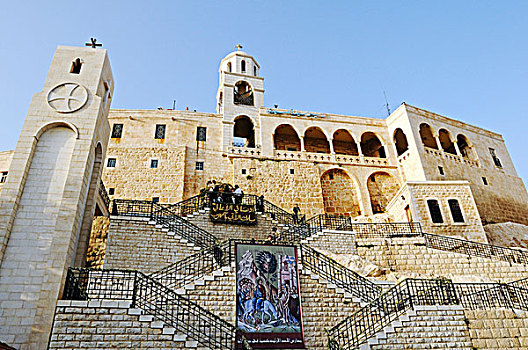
(138, 245)
(97, 245)
(339, 193)
(106, 324)
(5, 162)
(498, 329)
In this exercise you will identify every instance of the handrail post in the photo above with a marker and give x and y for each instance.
(151, 210)
(134, 290)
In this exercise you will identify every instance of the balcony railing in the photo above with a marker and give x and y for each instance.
(453, 157)
(104, 194)
(330, 158)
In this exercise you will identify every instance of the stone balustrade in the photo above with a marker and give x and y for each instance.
(453, 157)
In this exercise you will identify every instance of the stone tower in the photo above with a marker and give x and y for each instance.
(47, 204)
(239, 97)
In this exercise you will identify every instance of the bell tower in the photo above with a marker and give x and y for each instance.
(49, 196)
(239, 97)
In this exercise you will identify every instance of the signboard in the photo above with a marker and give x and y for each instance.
(268, 296)
(230, 213)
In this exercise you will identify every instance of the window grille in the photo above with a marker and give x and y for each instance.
(3, 177)
(153, 163)
(201, 133)
(434, 210)
(160, 132)
(496, 159)
(111, 163)
(117, 131)
(456, 213)
(199, 165)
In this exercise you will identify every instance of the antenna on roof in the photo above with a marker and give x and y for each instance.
(386, 104)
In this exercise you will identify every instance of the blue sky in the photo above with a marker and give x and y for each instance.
(463, 59)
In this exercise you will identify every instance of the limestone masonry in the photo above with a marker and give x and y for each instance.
(412, 230)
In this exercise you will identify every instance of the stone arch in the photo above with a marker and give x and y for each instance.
(464, 146)
(427, 136)
(58, 123)
(371, 145)
(344, 143)
(243, 93)
(381, 187)
(243, 132)
(340, 193)
(286, 138)
(446, 142)
(315, 140)
(400, 141)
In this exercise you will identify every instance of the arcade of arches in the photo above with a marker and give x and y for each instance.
(340, 195)
(381, 187)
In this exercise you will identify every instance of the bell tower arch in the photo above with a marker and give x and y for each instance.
(240, 93)
(47, 203)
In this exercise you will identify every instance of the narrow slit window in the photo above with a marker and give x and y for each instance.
(76, 66)
(485, 181)
(3, 177)
(456, 212)
(160, 132)
(441, 170)
(154, 163)
(496, 159)
(434, 210)
(243, 66)
(117, 131)
(292, 171)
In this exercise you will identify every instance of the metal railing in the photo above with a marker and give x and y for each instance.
(338, 274)
(385, 230)
(104, 194)
(155, 299)
(163, 214)
(372, 318)
(484, 250)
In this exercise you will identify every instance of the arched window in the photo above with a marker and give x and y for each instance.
(243, 66)
(371, 146)
(463, 146)
(400, 140)
(76, 66)
(243, 132)
(243, 94)
(445, 140)
(426, 133)
(285, 138)
(344, 143)
(434, 211)
(229, 66)
(315, 141)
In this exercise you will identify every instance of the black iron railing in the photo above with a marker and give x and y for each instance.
(511, 295)
(104, 194)
(385, 230)
(164, 215)
(337, 274)
(461, 246)
(157, 300)
(372, 318)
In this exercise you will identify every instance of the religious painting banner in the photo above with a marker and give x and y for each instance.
(230, 213)
(268, 296)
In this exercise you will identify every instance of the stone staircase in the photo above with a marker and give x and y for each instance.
(111, 324)
(216, 293)
(425, 327)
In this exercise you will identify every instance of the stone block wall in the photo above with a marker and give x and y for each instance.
(498, 329)
(5, 162)
(105, 324)
(410, 255)
(138, 245)
(340, 194)
(97, 245)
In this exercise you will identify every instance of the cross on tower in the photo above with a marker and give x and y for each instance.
(93, 43)
(238, 47)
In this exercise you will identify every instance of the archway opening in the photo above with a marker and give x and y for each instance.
(426, 134)
(445, 141)
(243, 132)
(400, 140)
(243, 94)
(463, 146)
(344, 143)
(285, 138)
(315, 141)
(340, 195)
(371, 146)
(381, 187)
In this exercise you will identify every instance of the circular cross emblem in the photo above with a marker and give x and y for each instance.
(67, 97)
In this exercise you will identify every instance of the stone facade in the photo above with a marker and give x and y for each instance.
(5, 161)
